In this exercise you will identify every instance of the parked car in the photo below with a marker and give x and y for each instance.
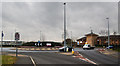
(110, 47)
(66, 48)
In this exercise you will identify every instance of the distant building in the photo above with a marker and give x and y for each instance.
(103, 40)
(95, 39)
(82, 40)
(91, 38)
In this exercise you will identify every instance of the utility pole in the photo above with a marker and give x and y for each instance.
(64, 25)
(108, 32)
(40, 35)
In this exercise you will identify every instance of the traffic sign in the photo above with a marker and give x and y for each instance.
(78, 43)
(38, 41)
(17, 36)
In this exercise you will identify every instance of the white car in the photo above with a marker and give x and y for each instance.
(87, 46)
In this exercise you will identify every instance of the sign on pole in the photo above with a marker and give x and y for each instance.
(78, 43)
(17, 36)
(38, 41)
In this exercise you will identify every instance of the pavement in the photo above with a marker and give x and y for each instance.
(23, 60)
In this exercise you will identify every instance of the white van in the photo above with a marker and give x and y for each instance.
(87, 46)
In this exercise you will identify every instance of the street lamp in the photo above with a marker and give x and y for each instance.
(64, 25)
(40, 34)
(108, 32)
(71, 38)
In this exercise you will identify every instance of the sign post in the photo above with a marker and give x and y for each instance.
(2, 41)
(17, 37)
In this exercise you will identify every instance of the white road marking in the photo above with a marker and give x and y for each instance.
(91, 61)
(81, 55)
(73, 56)
(32, 60)
(85, 59)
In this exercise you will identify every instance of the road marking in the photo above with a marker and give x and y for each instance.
(32, 60)
(91, 61)
(73, 56)
(100, 51)
(80, 56)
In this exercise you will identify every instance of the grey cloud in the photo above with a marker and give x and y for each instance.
(31, 17)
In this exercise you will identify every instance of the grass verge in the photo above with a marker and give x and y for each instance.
(8, 60)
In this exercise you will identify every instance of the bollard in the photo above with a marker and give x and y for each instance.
(73, 51)
(67, 49)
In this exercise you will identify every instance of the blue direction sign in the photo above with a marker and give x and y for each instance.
(78, 43)
(38, 41)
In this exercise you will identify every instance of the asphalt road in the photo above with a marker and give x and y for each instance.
(53, 58)
(97, 57)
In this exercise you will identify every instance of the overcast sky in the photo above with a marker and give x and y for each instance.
(29, 18)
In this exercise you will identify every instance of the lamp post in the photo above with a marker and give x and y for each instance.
(108, 32)
(40, 35)
(17, 37)
(64, 25)
(71, 38)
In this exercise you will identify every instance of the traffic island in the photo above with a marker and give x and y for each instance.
(37, 49)
(65, 53)
(108, 52)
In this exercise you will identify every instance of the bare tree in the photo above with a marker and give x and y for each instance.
(103, 32)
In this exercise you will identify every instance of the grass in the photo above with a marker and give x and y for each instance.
(8, 60)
